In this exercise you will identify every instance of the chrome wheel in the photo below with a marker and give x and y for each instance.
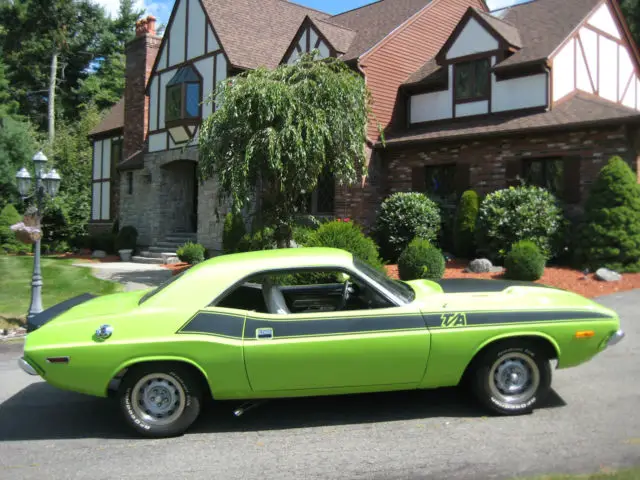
(158, 399)
(514, 378)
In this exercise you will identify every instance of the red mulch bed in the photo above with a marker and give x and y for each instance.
(177, 268)
(559, 277)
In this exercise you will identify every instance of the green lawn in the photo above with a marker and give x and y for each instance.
(633, 474)
(61, 282)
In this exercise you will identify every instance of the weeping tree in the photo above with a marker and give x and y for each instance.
(275, 132)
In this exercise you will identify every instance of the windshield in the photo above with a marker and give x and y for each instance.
(161, 287)
(400, 289)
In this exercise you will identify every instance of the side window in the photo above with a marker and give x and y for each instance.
(304, 292)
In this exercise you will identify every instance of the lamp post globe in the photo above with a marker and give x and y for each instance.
(23, 179)
(39, 161)
(52, 182)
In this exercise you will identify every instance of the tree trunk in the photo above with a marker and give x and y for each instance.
(52, 97)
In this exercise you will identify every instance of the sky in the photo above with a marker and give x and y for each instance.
(162, 8)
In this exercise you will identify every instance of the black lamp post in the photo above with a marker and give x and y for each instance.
(45, 184)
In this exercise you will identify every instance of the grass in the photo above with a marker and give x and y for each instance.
(61, 282)
(632, 474)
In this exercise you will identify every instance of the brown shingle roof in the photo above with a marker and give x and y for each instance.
(581, 109)
(340, 37)
(255, 34)
(375, 21)
(506, 30)
(114, 120)
(543, 25)
(430, 71)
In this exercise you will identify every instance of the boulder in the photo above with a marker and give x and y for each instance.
(99, 254)
(480, 265)
(606, 275)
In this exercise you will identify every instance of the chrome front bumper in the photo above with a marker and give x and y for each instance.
(24, 365)
(615, 338)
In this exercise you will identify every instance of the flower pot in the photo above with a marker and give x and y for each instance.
(125, 255)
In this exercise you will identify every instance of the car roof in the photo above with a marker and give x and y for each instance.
(280, 258)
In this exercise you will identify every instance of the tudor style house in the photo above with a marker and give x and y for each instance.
(543, 92)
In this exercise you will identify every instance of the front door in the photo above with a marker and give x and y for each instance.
(318, 341)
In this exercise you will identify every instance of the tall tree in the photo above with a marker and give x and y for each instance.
(631, 10)
(281, 129)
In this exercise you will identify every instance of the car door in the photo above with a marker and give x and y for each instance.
(349, 350)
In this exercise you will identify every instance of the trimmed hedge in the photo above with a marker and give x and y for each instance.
(524, 262)
(191, 253)
(465, 224)
(403, 217)
(610, 236)
(421, 260)
(346, 236)
(519, 213)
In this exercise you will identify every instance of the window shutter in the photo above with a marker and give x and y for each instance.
(513, 171)
(418, 179)
(462, 178)
(572, 180)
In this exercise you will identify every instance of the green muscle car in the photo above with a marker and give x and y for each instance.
(308, 322)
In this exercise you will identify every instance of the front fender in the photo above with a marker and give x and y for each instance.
(519, 334)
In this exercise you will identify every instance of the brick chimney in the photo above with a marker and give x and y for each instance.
(141, 54)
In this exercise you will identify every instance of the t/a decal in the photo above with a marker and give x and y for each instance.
(450, 320)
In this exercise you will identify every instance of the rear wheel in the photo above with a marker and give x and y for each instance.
(511, 378)
(160, 400)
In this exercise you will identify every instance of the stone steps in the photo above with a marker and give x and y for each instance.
(147, 260)
(164, 252)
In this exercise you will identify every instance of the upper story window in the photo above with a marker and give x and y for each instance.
(184, 92)
(472, 80)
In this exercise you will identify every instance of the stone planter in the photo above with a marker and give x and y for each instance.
(125, 255)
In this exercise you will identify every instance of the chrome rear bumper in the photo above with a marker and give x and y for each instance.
(615, 338)
(24, 365)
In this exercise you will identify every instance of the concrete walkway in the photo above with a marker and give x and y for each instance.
(134, 276)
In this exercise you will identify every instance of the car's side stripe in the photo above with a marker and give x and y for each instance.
(219, 324)
(233, 326)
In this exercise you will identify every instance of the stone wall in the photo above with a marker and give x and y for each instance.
(137, 208)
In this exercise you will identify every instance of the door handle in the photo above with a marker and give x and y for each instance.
(264, 333)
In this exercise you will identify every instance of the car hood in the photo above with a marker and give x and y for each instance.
(468, 295)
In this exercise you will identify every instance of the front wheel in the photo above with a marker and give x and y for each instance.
(512, 378)
(160, 400)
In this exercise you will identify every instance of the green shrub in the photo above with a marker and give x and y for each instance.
(263, 239)
(610, 236)
(56, 247)
(301, 235)
(346, 236)
(127, 238)
(105, 241)
(402, 217)
(9, 216)
(519, 213)
(17, 248)
(191, 253)
(465, 224)
(421, 260)
(524, 261)
(234, 231)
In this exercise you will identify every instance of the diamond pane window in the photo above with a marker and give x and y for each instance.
(184, 92)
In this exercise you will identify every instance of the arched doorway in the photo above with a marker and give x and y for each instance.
(179, 197)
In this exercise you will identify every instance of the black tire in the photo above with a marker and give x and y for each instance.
(492, 376)
(178, 390)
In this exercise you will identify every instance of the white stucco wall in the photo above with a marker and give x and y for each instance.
(473, 39)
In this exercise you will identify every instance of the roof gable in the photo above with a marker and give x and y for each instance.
(113, 121)
(481, 32)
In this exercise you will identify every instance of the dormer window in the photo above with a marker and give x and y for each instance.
(184, 107)
(472, 80)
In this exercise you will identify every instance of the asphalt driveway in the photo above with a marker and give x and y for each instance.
(592, 421)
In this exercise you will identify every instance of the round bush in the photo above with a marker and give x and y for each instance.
(421, 260)
(523, 213)
(191, 253)
(263, 239)
(610, 236)
(524, 262)
(465, 224)
(127, 238)
(346, 236)
(403, 217)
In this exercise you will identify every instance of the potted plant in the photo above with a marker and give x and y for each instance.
(126, 242)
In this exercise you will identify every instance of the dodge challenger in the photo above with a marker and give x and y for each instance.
(310, 322)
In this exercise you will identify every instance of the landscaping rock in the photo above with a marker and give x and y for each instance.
(480, 265)
(606, 275)
(99, 254)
